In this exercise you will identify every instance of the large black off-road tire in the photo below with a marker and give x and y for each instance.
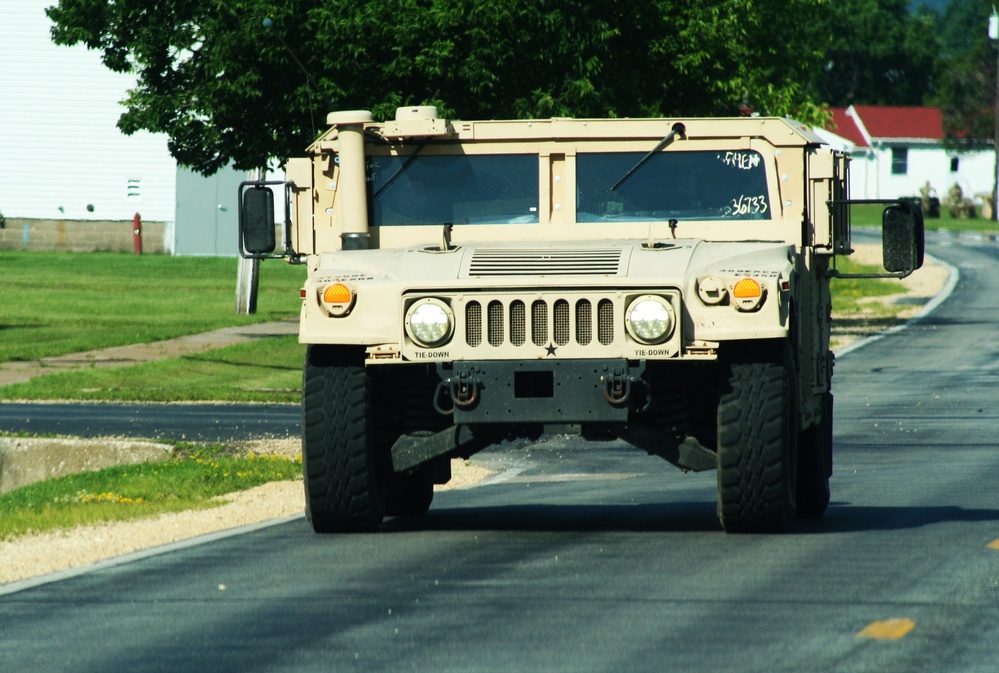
(815, 463)
(343, 492)
(757, 433)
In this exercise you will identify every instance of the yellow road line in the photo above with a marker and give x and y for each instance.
(889, 629)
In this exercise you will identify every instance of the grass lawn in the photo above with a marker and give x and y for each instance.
(58, 303)
(188, 480)
(869, 215)
(849, 295)
(267, 370)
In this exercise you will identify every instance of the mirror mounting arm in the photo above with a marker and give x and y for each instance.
(836, 273)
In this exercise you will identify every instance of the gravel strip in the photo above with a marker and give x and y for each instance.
(35, 555)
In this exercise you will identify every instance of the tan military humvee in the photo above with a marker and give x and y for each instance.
(661, 281)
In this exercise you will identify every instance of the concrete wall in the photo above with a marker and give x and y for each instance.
(80, 236)
(26, 461)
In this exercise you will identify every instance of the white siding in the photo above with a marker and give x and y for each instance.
(871, 176)
(60, 149)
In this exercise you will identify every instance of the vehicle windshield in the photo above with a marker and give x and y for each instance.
(702, 185)
(460, 189)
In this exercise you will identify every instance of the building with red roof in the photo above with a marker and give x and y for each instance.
(899, 151)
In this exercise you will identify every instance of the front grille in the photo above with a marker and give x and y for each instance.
(495, 325)
(584, 322)
(561, 322)
(557, 320)
(473, 324)
(605, 321)
(518, 323)
(539, 323)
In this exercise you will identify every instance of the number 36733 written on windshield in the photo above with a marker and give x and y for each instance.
(749, 205)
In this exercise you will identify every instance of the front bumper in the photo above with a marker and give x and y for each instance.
(541, 391)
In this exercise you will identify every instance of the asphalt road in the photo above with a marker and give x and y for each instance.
(598, 558)
(192, 422)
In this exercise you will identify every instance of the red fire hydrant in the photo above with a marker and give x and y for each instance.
(137, 234)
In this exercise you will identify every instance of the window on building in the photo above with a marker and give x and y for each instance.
(133, 189)
(954, 164)
(899, 160)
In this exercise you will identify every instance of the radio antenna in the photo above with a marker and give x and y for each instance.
(268, 23)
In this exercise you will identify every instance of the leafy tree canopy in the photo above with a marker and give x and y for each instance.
(966, 88)
(880, 53)
(226, 89)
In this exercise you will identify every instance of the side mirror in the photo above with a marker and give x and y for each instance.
(256, 221)
(902, 237)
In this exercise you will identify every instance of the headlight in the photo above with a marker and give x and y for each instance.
(430, 323)
(649, 319)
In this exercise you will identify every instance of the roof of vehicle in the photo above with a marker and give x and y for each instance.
(779, 131)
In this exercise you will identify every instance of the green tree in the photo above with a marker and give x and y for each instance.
(226, 88)
(967, 73)
(880, 53)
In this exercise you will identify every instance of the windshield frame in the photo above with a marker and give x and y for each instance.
(693, 184)
(557, 159)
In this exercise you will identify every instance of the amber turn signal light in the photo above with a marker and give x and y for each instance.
(747, 288)
(338, 293)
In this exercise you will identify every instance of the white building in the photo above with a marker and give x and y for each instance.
(64, 159)
(898, 150)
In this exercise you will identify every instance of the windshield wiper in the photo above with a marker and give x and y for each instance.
(405, 164)
(678, 130)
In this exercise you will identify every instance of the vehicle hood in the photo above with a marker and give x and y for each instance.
(568, 263)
